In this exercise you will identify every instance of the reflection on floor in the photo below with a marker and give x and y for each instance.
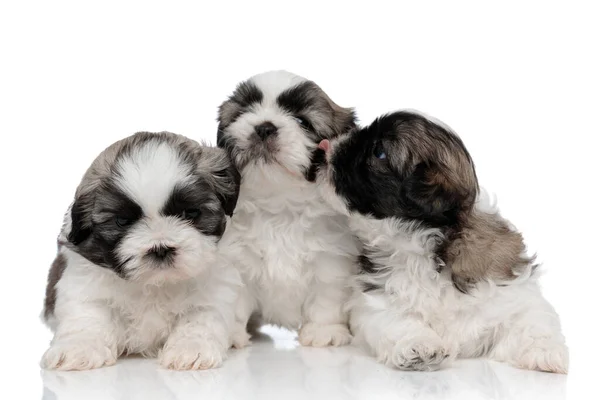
(275, 367)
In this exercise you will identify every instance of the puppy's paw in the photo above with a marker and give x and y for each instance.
(240, 338)
(316, 335)
(545, 355)
(192, 353)
(78, 355)
(426, 355)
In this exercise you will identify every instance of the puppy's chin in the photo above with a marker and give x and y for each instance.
(175, 273)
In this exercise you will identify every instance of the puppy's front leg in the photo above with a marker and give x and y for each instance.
(245, 306)
(86, 337)
(396, 340)
(199, 341)
(324, 321)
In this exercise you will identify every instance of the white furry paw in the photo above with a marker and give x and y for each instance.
(547, 356)
(191, 354)
(316, 335)
(240, 338)
(416, 356)
(78, 355)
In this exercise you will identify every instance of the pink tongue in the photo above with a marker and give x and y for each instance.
(324, 145)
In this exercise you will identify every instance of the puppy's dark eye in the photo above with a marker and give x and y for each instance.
(301, 121)
(122, 221)
(190, 214)
(379, 152)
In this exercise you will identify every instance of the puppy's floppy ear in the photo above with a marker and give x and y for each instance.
(224, 177)
(229, 189)
(81, 219)
(486, 248)
(228, 112)
(220, 134)
(245, 94)
(343, 119)
(223, 141)
(225, 109)
(428, 195)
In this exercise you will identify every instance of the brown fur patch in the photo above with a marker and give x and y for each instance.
(343, 119)
(479, 246)
(486, 248)
(56, 271)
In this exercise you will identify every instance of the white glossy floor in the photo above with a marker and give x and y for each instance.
(276, 367)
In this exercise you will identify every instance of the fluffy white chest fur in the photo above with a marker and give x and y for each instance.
(140, 318)
(294, 253)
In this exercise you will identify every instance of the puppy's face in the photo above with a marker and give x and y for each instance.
(276, 120)
(401, 166)
(152, 207)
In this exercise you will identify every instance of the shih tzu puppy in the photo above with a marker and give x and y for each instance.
(442, 274)
(136, 269)
(294, 252)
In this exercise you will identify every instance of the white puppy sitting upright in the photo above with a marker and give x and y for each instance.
(135, 270)
(295, 253)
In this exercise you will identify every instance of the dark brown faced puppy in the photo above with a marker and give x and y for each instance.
(418, 170)
(409, 187)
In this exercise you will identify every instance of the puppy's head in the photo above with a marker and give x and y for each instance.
(276, 119)
(152, 207)
(408, 168)
(404, 166)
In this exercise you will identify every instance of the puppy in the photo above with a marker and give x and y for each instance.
(295, 253)
(442, 274)
(135, 267)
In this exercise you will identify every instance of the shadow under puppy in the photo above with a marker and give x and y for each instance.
(295, 253)
(442, 274)
(136, 265)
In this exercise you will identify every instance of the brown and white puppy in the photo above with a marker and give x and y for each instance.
(442, 274)
(136, 270)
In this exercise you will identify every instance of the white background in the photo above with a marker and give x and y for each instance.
(519, 82)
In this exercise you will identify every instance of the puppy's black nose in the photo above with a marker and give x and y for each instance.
(161, 252)
(265, 130)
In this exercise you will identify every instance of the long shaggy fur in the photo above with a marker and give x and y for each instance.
(442, 274)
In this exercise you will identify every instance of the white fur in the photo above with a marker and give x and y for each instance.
(149, 174)
(184, 313)
(292, 143)
(99, 316)
(419, 314)
(295, 254)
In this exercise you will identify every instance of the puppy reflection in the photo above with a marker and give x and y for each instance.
(468, 379)
(442, 273)
(332, 373)
(135, 266)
